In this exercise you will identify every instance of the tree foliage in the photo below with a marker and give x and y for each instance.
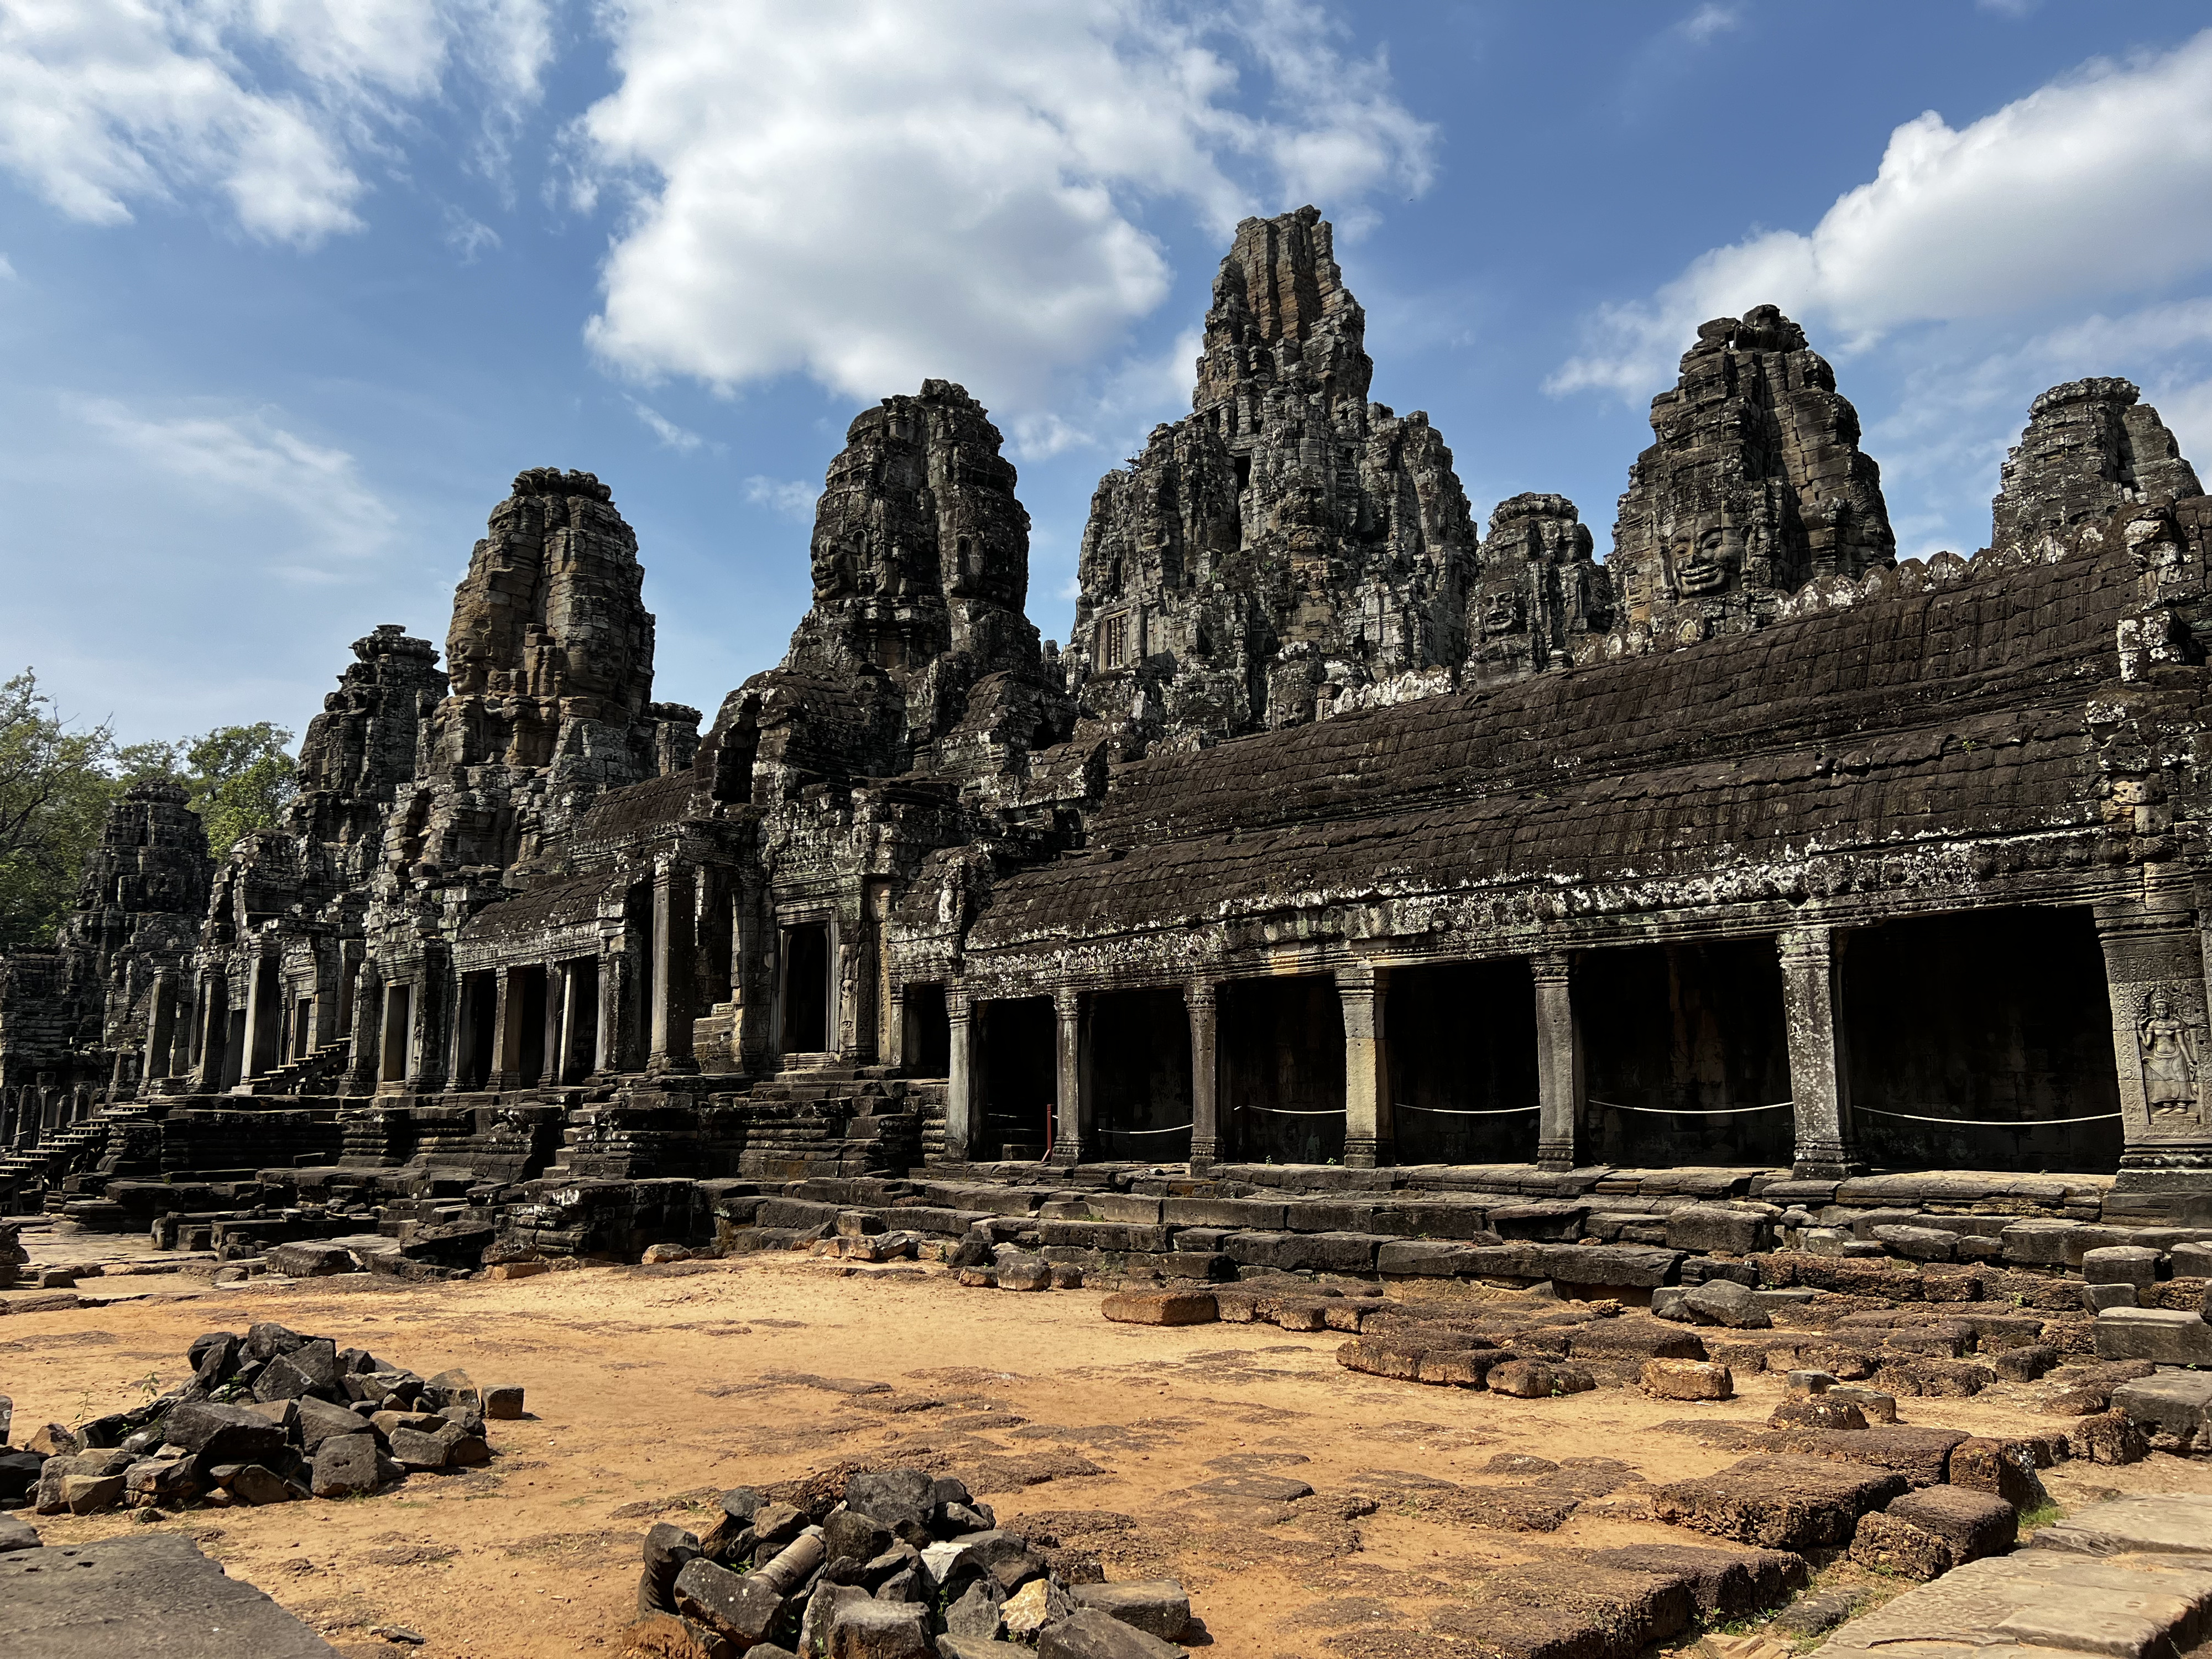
(57, 778)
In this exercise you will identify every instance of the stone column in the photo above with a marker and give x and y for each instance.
(215, 1018)
(506, 1037)
(614, 985)
(963, 1113)
(367, 1060)
(573, 1014)
(2155, 975)
(161, 1018)
(1198, 1001)
(1819, 1082)
(1072, 1126)
(1367, 1129)
(671, 956)
(1560, 1085)
(249, 1063)
(426, 1052)
(549, 1039)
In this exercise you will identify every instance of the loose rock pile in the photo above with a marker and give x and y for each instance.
(268, 1417)
(897, 1565)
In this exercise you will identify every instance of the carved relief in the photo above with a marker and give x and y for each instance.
(2167, 1044)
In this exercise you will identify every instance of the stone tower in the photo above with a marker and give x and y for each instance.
(2090, 449)
(1540, 594)
(920, 560)
(365, 743)
(1755, 486)
(550, 654)
(1285, 546)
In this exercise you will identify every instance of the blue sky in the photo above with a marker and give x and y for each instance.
(290, 288)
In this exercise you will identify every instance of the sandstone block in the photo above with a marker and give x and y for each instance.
(1158, 1606)
(1094, 1633)
(2122, 1264)
(1687, 1379)
(1780, 1503)
(1973, 1523)
(2166, 1335)
(1537, 1379)
(344, 1466)
(2173, 1408)
(1891, 1544)
(1161, 1308)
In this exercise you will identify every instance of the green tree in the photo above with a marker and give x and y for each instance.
(237, 778)
(55, 785)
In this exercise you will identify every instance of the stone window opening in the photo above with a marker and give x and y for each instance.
(926, 1041)
(479, 1013)
(399, 1004)
(1114, 641)
(1243, 473)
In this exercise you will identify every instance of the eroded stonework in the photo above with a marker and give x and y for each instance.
(1336, 837)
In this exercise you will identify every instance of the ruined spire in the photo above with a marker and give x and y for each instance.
(1755, 486)
(2091, 448)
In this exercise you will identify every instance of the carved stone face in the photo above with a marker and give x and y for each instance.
(1707, 561)
(1501, 613)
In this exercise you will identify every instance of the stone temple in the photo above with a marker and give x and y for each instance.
(1345, 845)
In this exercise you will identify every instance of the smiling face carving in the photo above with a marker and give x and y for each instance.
(1707, 560)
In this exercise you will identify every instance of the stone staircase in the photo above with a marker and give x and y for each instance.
(42, 1172)
(318, 1073)
(832, 1118)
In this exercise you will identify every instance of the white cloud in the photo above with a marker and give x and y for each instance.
(470, 238)
(872, 191)
(251, 456)
(680, 439)
(6, 271)
(267, 103)
(1707, 22)
(792, 497)
(2091, 186)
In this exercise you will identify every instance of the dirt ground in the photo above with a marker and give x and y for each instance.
(651, 1388)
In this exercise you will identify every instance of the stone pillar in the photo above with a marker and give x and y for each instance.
(364, 1066)
(215, 1018)
(892, 1039)
(1560, 1087)
(160, 1020)
(2155, 975)
(1367, 1129)
(962, 1105)
(671, 957)
(506, 1035)
(1072, 1126)
(549, 1041)
(573, 1015)
(1820, 1081)
(1198, 1001)
(607, 1044)
(256, 1016)
(426, 1051)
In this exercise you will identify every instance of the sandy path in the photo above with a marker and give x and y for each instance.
(646, 1384)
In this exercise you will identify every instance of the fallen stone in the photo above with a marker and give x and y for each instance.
(739, 1607)
(1161, 1308)
(868, 1629)
(89, 1494)
(1687, 1379)
(2164, 1524)
(2173, 1409)
(1922, 1455)
(2164, 1336)
(1780, 1503)
(345, 1466)
(1258, 1488)
(2003, 1469)
(223, 1434)
(312, 1259)
(1537, 1379)
(517, 1269)
(2109, 1438)
(1026, 1273)
(1891, 1544)
(503, 1404)
(1096, 1634)
(17, 1534)
(53, 1440)
(1158, 1607)
(1819, 1411)
(1973, 1523)
(2122, 1264)
(1871, 1404)
(1819, 1612)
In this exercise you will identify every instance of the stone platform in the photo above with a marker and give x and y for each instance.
(2129, 1577)
(122, 1598)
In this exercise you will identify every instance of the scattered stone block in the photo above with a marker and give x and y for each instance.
(2164, 1336)
(345, 1466)
(2108, 1438)
(1873, 1405)
(2001, 1468)
(1162, 1307)
(1687, 1379)
(89, 1494)
(1093, 1633)
(868, 1629)
(1973, 1523)
(1158, 1606)
(1025, 1273)
(1891, 1544)
(1538, 1379)
(503, 1404)
(2173, 1408)
(16, 1533)
(2122, 1264)
(1779, 1503)
(504, 1270)
(2163, 1524)
(1923, 1457)
(1918, 1243)
(1819, 1410)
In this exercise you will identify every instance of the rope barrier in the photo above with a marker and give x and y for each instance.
(1446, 1111)
(1284, 1111)
(1989, 1122)
(1678, 1111)
(1177, 1130)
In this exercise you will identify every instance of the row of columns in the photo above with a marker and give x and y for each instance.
(1811, 1012)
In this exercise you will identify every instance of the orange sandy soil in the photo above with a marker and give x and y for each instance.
(647, 1391)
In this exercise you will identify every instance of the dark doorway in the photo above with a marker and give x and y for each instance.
(399, 1004)
(1998, 1014)
(926, 1041)
(1019, 1040)
(579, 1019)
(525, 1012)
(806, 988)
(479, 1012)
(1281, 1044)
(1140, 1075)
(268, 1019)
(1673, 1032)
(1462, 1040)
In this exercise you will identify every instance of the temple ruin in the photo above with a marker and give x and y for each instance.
(1343, 844)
